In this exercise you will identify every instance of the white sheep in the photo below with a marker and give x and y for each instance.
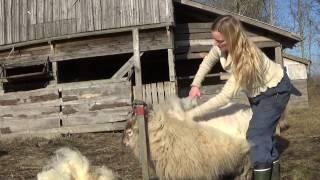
(69, 164)
(183, 149)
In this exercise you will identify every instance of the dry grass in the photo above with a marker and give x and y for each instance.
(301, 142)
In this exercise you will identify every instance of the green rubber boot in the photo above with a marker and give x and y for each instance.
(275, 174)
(262, 174)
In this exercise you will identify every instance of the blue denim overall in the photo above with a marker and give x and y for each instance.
(267, 109)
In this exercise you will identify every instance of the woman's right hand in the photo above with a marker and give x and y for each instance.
(194, 92)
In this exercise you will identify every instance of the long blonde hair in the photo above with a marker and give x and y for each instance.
(247, 61)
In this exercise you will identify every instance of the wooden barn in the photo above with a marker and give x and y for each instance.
(75, 66)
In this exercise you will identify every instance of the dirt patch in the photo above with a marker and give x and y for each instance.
(23, 159)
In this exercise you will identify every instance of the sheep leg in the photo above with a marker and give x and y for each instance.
(247, 170)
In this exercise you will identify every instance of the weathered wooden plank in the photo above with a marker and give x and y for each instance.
(2, 23)
(34, 96)
(171, 56)
(97, 14)
(104, 14)
(149, 40)
(160, 89)
(56, 18)
(148, 93)
(15, 20)
(125, 68)
(154, 93)
(83, 16)
(78, 16)
(64, 17)
(141, 121)
(54, 73)
(167, 90)
(141, 7)
(146, 12)
(72, 25)
(39, 123)
(31, 19)
(155, 11)
(95, 83)
(117, 14)
(53, 132)
(123, 13)
(265, 44)
(73, 97)
(95, 104)
(163, 10)
(144, 93)
(40, 19)
(48, 18)
(21, 56)
(27, 112)
(278, 55)
(78, 35)
(136, 15)
(173, 88)
(90, 25)
(137, 63)
(96, 117)
(98, 102)
(8, 17)
(111, 89)
(170, 11)
(23, 20)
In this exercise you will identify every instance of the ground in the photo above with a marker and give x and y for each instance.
(300, 160)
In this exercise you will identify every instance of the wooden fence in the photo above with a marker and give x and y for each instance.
(67, 108)
(155, 93)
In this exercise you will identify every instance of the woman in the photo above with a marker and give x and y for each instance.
(265, 83)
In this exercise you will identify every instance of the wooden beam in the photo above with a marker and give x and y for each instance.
(125, 68)
(266, 44)
(67, 130)
(171, 58)
(85, 34)
(1, 79)
(141, 120)
(278, 55)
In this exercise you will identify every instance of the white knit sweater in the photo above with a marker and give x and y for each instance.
(273, 76)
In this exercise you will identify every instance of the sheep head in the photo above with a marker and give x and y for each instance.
(172, 108)
(129, 133)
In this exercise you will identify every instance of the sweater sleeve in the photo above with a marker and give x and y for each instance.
(206, 65)
(221, 99)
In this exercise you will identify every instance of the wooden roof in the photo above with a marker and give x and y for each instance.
(296, 58)
(292, 37)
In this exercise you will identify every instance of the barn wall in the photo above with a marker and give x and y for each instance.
(27, 20)
(117, 43)
(295, 70)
